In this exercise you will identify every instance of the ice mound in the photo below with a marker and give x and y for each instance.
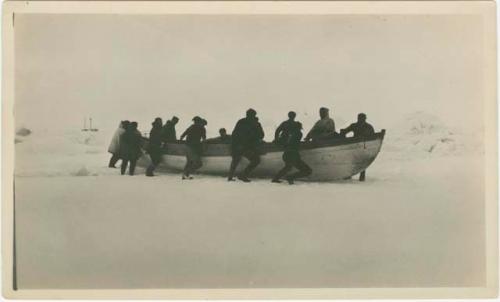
(82, 172)
(423, 134)
(23, 131)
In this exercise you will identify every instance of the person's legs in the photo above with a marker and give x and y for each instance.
(235, 160)
(114, 159)
(155, 161)
(303, 170)
(124, 166)
(362, 176)
(196, 162)
(282, 172)
(190, 162)
(133, 162)
(187, 166)
(254, 158)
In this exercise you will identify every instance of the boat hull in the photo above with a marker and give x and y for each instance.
(332, 160)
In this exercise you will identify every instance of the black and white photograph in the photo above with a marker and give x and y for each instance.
(246, 147)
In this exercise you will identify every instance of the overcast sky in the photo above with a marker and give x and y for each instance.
(114, 67)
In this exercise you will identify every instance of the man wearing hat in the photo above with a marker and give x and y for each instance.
(246, 137)
(291, 156)
(195, 134)
(154, 147)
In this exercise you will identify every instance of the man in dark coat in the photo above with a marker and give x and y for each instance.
(169, 134)
(281, 134)
(246, 137)
(154, 147)
(359, 129)
(195, 134)
(130, 146)
(291, 156)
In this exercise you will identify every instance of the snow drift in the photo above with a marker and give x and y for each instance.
(421, 134)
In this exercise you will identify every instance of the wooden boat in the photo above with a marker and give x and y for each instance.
(332, 159)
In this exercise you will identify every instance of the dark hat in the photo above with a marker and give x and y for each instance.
(251, 113)
(197, 119)
(292, 114)
(157, 121)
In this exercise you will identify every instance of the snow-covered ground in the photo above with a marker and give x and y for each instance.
(416, 221)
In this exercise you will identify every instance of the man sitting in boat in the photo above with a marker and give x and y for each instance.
(281, 133)
(359, 129)
(324, 128)
(246, 137)
(154, 146)
(168, 133)
(194, 135)
(223, 138)
(291, 156)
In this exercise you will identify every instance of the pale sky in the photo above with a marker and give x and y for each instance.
(115, 67)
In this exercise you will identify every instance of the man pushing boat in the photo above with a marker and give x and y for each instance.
(194, 135)
(291, 156)
(246, 137)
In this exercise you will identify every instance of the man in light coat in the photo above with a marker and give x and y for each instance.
(114, 146)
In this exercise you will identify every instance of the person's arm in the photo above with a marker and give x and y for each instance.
(204, 134)
(347, 130)
(260, 131)
(278, 132)
(371, 130)
(185, 133)
(236, 129)
(310, 133)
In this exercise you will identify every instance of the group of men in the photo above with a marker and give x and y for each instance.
(245, 140)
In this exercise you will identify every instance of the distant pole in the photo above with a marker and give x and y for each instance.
(90, 120)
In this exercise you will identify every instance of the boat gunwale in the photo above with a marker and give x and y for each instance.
(269, 147)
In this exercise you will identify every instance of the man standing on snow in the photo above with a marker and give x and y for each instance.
(114, 146)
(130, 148)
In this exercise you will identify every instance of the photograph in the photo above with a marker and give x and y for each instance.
(273, 150)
